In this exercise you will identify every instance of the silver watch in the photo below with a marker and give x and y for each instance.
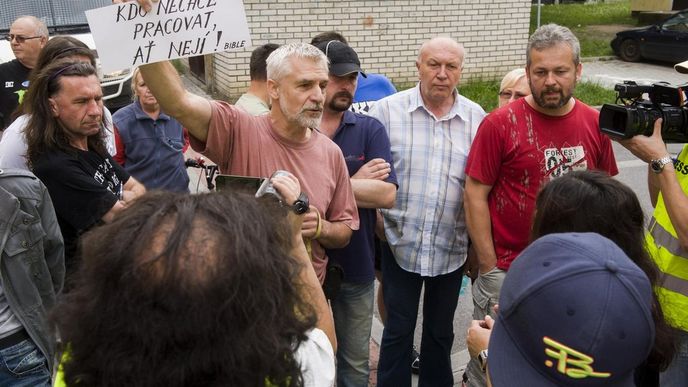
(482, 357)
(657, 165)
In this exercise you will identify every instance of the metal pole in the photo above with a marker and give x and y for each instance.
(539, 5)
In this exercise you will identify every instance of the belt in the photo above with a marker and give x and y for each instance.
(14, 339)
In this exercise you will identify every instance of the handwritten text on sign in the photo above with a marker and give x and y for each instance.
(127, 36)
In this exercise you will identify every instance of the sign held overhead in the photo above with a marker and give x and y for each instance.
(127, 36)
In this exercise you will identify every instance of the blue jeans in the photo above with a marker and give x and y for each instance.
(23, 364)
(401, 295)
(353, 319)
(677, 373)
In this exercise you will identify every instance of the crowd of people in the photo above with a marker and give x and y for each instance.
(113, 274)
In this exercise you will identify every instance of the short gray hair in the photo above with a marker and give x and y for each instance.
(41, 28)
(550, 35)
(278, 62)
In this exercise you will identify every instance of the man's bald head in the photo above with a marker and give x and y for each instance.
(29, 34)
(441, 43)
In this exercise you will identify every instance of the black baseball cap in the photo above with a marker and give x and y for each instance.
(343, 59)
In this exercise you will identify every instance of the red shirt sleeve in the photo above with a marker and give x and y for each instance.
(186, 140)
(486, 155)
(121, 155)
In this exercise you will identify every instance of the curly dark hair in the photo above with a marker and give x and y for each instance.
(45, 132)
(588, 201)
(186, 290)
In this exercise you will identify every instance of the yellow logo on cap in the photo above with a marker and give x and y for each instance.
(570, 362)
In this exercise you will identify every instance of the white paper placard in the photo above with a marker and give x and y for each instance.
(127, 36)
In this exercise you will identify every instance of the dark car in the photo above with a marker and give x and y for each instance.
(665, 41)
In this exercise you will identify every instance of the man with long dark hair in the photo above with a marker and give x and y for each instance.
(67, 152)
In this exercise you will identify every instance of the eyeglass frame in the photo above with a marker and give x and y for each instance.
(20, 39)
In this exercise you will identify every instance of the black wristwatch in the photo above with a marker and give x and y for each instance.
(300, 206)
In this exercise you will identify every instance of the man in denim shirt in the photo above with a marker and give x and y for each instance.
(31, 275)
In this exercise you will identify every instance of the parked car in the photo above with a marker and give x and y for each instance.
(665, 41)
(67, 18)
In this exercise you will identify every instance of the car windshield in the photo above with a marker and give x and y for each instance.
(57, 14)
(677, 23)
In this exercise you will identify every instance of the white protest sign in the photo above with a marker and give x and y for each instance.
(127, 36)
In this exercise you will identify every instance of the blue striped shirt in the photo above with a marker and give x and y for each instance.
(426, 229)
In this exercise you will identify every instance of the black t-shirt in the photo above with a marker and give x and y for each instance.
(83, 186)
(14, 80)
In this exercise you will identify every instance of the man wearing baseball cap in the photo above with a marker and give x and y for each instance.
(365, 145)
(574, 311)
(667, 235)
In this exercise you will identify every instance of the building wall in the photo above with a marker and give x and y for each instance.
(386, 34)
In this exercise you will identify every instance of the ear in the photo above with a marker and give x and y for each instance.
(273, 89)
(579, 72)
(53, 107)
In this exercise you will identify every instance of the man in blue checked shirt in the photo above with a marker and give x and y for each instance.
(431, 128)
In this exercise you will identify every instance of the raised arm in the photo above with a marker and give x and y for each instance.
(649, 148)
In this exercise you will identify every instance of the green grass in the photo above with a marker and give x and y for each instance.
(581, 19)
(484, 93)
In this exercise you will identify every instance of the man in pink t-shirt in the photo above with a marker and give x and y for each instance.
(287, 138)
(519, 148)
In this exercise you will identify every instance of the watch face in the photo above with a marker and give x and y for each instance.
(658, 165)
(300, 207)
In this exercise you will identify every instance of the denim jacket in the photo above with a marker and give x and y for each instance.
(32, 254)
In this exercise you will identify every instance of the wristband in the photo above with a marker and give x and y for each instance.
(318, 228)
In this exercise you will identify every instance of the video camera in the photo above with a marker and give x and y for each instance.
(637, 116)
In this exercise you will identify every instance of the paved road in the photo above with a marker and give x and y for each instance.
(609, 72)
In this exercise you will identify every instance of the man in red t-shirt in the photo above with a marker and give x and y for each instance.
(520, 147)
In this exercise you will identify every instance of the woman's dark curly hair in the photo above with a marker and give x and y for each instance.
(186, 290)
(587, 201)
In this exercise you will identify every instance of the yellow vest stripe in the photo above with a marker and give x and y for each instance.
(664, 238)
(675, 284)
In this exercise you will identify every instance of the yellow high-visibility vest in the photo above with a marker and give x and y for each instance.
(671, 259)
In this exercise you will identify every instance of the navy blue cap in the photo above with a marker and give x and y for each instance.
(574, 310)
(343, 59)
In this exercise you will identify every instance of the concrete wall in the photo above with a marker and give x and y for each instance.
(386, 34)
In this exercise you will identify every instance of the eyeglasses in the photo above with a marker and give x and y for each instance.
(20, 39)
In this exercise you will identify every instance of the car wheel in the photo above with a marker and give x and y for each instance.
(629, 50)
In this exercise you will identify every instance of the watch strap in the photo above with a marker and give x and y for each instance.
(657, 165)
